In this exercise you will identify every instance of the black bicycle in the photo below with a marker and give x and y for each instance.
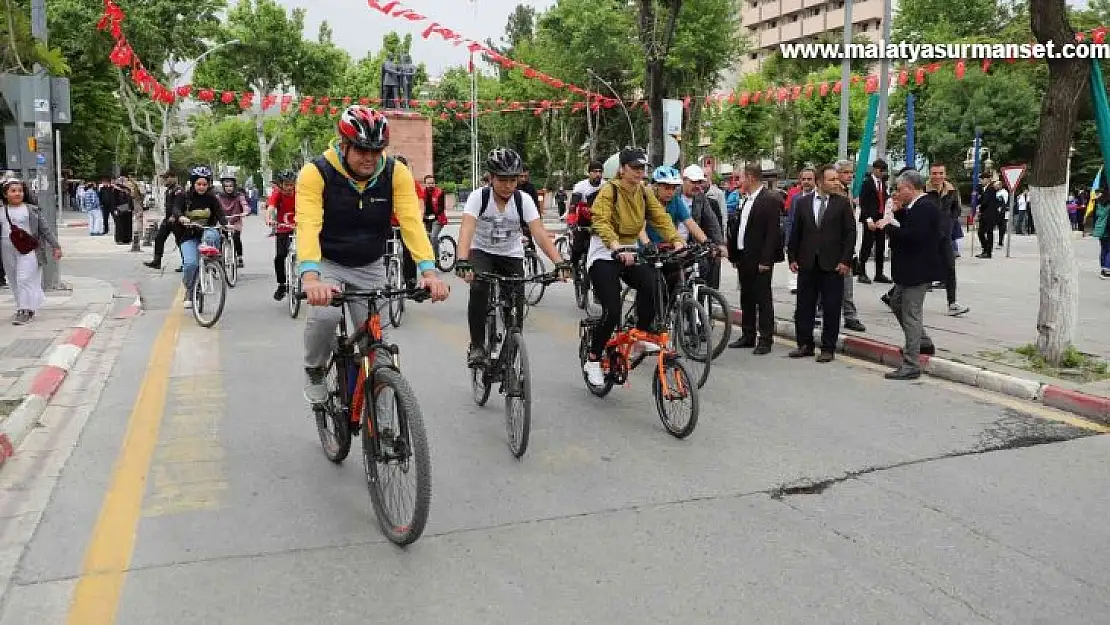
(394, 443)
(507, 363)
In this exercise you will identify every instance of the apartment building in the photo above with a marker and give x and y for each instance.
(767, 23)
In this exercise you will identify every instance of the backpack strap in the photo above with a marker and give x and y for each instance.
(485, 201)
(517, 200)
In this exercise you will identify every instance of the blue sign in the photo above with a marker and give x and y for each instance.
(40, 159)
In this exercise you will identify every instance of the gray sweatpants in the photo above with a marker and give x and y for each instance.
(323, 321)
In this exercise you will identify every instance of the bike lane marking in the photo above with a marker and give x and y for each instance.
(96, 598)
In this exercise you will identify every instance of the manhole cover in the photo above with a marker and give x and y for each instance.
(26, 348)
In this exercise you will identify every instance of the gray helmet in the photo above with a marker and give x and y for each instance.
(504, 162)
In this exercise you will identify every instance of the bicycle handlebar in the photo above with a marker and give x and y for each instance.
(349, 295)
(545, 278)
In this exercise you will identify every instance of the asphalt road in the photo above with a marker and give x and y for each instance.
(808, 493)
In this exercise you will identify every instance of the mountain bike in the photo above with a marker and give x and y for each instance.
(670, 384)
(507, 363)
(365, 389)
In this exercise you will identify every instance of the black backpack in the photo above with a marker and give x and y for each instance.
(517, 199)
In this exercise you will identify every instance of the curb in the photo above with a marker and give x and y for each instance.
(130, 288)
(1093, 407)
(49, 379)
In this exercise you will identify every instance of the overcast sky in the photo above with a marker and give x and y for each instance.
(359, 29)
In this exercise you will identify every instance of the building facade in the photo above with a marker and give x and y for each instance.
(767, 23)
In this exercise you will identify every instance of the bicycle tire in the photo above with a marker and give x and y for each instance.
(518, 387)
(563, 247)
(219, 282)
(533, 266)
(583, 354)
(395, 279)
(581, 289)
(720, 316)
(411, 425)
(335, 413)
(293, 282)
(480, 385)
(445, 260)
(230, 262)
(693, 343)
(672, 364)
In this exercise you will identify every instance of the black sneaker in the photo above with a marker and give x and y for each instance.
(240, 263)
(475, 356)
(279, 294)
(154, 264)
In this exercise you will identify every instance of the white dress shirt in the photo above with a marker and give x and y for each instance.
(745, 215)
(818, 202)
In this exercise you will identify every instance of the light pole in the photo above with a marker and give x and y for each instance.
(845, 83)
(631, 128)
(1067, 176)
(191, 65)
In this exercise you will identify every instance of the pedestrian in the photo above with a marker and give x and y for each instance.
(26, 232)
(822, 243)
(107, 201)
(754, 243)
(1101, 229)
(89, 202)
(948, 201)
(807, 182)
(914, 233)
(122, 210)
(845, 172)
(173, 191)
(1020, 221)
(872, 203)
(1003, 210)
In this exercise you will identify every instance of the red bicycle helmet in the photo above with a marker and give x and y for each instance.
(364, 127)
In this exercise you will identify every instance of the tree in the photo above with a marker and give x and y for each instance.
(266, 61)
(1067, 82)
(744, 132)
(232, 141)
(933, 21)
(658, 22)
(819, 121)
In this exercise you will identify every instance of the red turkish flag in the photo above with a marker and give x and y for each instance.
(227, 97)
(903, 78)
(207, 95)
(919, 76)
(823, 89)
(961, 67)
(184, 90)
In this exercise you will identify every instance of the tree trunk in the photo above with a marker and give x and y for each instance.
(691, 133)
(654, 84)
(1067, 82)
(656, 49)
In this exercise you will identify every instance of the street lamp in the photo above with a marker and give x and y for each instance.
(1067, 176)
(631, 128)
(192, 64)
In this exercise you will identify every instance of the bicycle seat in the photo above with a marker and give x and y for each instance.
(208, 250)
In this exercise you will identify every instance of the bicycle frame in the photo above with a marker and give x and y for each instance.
(354, 380)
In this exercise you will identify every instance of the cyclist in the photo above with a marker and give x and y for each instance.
(435, 209)
(667, 181)
(490, 240)
(234, 204)
(586, 190)
(281, 217)
(581, 198)
(345, 201)
(620, 211)
(195, 209)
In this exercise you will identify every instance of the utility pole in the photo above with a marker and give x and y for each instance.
(42, 178)
(845, 83)
(884, 88)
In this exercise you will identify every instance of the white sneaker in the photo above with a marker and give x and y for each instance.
(593, 373)
(955, 309)
(649, 348)
(188, 304)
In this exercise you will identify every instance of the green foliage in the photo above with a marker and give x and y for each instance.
(820, 121)
(232, 141)
(944, 21)
(268, 54)
(743, 132)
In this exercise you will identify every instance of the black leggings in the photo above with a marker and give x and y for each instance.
(606, 276)
(478, 308)
(281, 245)
(237, 240)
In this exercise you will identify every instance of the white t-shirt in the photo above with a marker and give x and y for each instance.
(585, 189)
(499, 232)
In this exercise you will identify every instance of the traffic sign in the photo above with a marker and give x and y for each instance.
(1011, 175)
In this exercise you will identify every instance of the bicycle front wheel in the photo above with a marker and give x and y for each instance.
(692, 337)
(332, 419)
(209, 293)
(534, 291)
(395, 451)
(231, 262)
(720, 318)
(676, 399)
(518, 394)
(445, 260)
(396, 280)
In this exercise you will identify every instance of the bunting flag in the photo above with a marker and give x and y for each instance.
(865, 144)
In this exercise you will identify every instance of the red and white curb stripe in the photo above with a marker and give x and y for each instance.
(45, 385)
(131, 289)
(1093, 407)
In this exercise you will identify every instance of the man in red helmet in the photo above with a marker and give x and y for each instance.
(346, 200)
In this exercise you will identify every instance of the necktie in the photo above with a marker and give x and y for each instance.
(821, 206)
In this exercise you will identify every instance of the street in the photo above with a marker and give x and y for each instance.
(197, 491)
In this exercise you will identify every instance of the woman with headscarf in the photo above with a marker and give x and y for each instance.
(196, 209)
(25, 233)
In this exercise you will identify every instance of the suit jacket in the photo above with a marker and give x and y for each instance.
(703, 214)
(915, 244)
(827, 245)
(869, 205)
(763, 236)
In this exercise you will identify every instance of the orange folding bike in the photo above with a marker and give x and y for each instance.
(671, 385)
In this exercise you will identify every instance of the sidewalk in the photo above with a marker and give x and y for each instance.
(1004, 296)
(35, 358)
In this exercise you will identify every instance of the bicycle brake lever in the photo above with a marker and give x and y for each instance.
(420, 295)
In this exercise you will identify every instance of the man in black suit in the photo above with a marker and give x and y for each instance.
(822, 243)
(915, 239)
(872, 203)
(990, 209)
(754, 246)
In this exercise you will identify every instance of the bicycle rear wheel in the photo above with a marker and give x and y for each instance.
(563, 247)
(332, 418)
(581, 287)
(294, 288)
(445, 260)
(231, 261)
(720, 318)
(691, 334)
(586, 330)
(395, 279)
(395, 449)
(209, 293)
(518, 394)
(672, 389)
(534, 291)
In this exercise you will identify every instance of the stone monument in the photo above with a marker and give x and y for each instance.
(391, 84)
(407, 72)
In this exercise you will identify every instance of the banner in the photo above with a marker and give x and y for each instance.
(865, 144)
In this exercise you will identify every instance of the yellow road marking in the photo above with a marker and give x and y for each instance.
(108, 556)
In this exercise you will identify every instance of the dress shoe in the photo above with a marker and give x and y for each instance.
(863, 279)
(928, 349)
(904, 373)
(743, 342)
(764, 347)
(855, 325)
(982, 256)
(882, 279)
(826, 356)
(802, 352)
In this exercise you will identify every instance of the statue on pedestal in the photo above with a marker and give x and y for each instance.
(391, 83)
(407, 72)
